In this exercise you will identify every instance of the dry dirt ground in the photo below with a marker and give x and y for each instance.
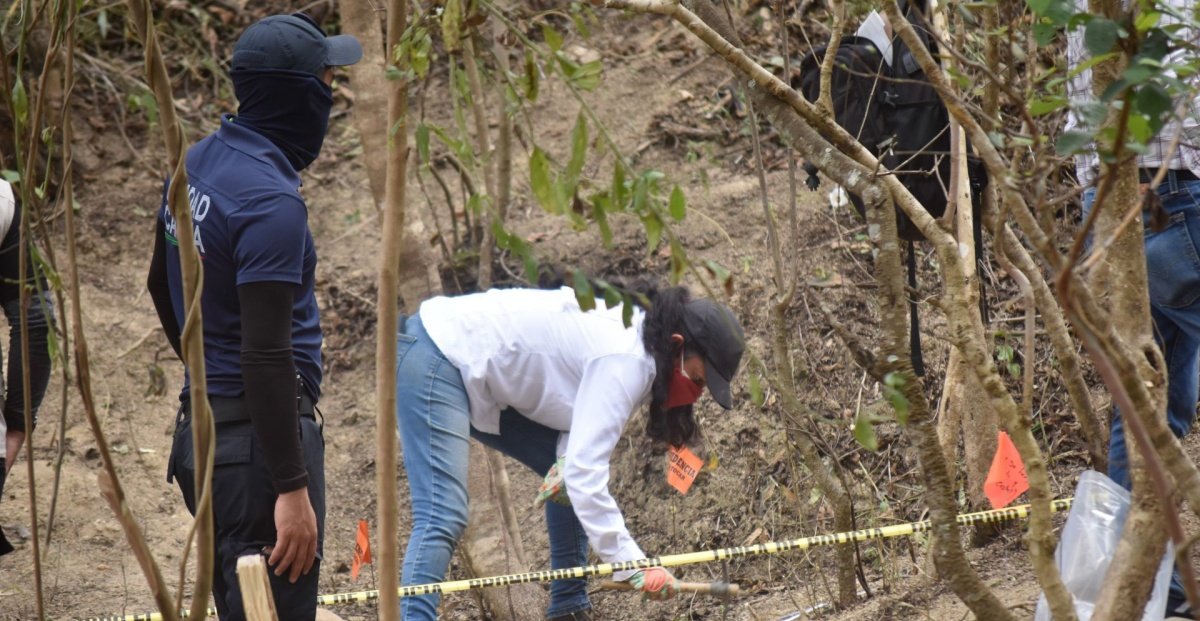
(746, 495)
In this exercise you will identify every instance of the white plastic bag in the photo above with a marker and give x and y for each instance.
(1088, 543)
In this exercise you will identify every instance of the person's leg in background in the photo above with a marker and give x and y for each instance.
(1173, 273)
(536, 446)
(433, 417)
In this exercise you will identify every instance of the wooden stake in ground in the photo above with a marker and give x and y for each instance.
(256, 588)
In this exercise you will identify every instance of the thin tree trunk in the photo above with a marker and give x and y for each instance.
(979, 420)
(1123, 277)
(483, 145)
(947, 552)
(488, 548)
(395, 188)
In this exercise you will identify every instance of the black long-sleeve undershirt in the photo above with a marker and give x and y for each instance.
(160, 288)
(269, 376)
(38, 319)
(268, 367)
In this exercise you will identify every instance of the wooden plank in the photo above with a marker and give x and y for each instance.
(256, 588)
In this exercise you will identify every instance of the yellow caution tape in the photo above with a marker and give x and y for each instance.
(674, 560)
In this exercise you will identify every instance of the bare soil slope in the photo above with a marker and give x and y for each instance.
(658, 83)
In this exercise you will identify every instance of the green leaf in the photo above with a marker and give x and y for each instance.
(893, 385)
(503, 238)
(1138, 73)
(1093, 113)
(653, 231)
(393, 73)
(600, 213)
(531, 266)
(678, 262)
(1152, 100)
(421, 54)
(618, 191)
(475, 204)
(756, 391)
(641, 194)
(1058, 12)
(1044, 33)
(678, 205)
(1090, 62)
(1146, 20)
(722, 275)
(452, 17)
(1042, 107)
(1140, 128)
(553, 39)
(1100, 35)
(10, 176)
(581, 25)
(583, 291)
(586, 77)
(1156, 45)
(532, 77)
(579, 142)
(612, 297)
(20, 102)
(422, 137)
(541, 182)
(1004, 353)
(626, 310)
(1072, 142)
(1014, 369)
(864, 433)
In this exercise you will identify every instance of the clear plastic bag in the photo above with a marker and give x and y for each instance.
(1088, 543)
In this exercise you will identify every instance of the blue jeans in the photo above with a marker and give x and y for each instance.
(1173, 273)
(433, 417)
(536, 446)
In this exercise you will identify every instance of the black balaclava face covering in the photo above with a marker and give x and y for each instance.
(291, 108)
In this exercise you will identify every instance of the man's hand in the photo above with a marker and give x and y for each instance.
(655, 583)
(13, 441)
(296, 535)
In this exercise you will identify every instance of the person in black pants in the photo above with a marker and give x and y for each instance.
(38, 319)
(262, 332)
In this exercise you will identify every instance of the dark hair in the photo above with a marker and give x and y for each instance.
(664, 317)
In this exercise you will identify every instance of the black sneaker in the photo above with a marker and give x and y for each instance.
(1178, 607)
(579, 615)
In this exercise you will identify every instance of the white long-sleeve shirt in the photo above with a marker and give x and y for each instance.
(582, 373)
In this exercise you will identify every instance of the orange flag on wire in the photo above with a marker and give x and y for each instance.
(1006, 479)
(362, 549)
(682, 468)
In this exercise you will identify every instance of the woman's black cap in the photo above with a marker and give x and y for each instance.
(715, 330)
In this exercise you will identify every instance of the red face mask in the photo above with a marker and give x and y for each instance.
(682, 390)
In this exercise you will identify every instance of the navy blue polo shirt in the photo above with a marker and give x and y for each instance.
(251, 225)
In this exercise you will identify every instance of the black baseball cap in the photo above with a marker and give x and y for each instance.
(294, 43)
(715, 331)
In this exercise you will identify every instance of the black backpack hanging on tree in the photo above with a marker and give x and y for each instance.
(893, 110)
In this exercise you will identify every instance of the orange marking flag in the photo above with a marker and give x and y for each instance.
(1006, 479)
(362, 549)
(682, 467)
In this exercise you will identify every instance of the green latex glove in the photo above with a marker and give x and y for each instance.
(553, 488)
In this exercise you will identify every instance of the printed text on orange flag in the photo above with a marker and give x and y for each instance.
(682, 467)
(1006, 479)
